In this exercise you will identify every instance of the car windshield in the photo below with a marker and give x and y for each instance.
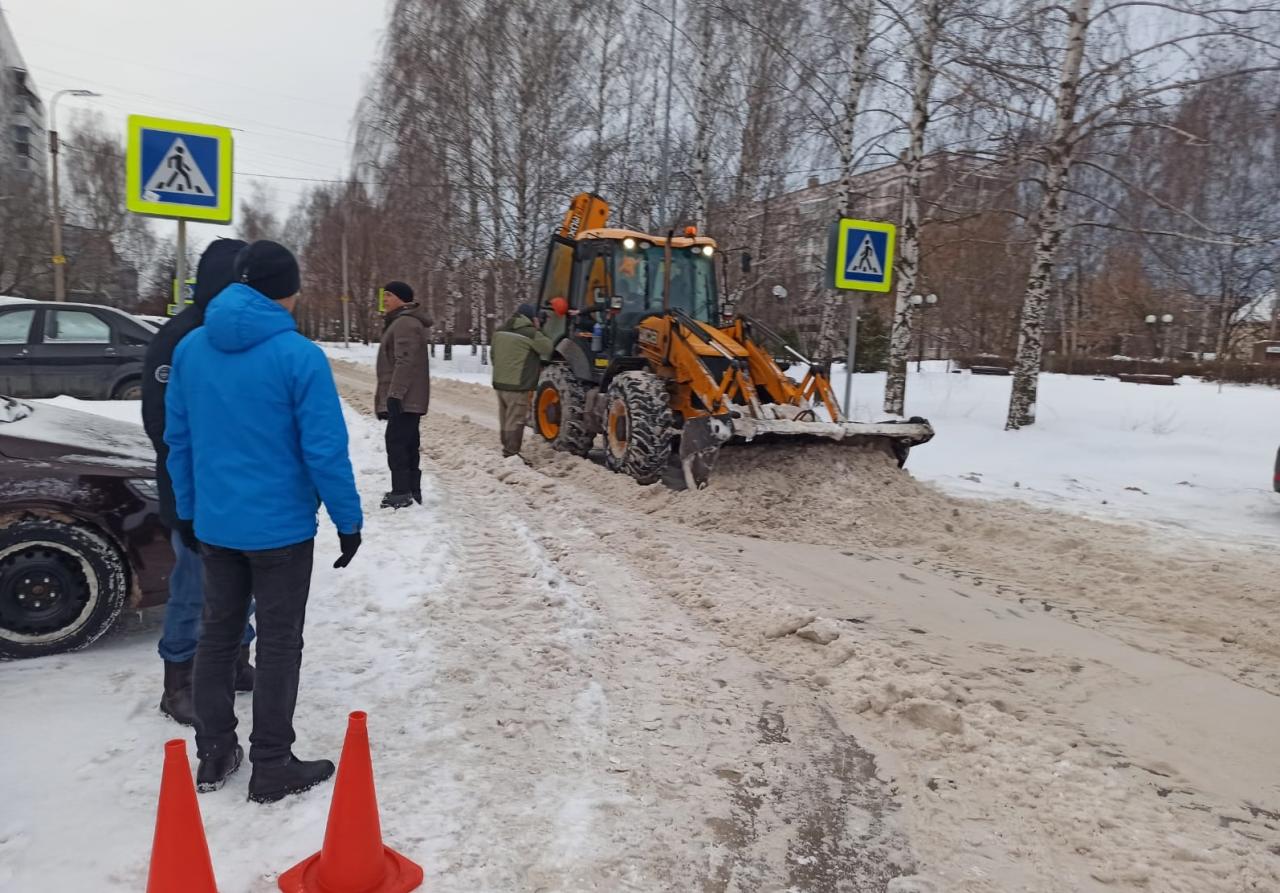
(13, 410)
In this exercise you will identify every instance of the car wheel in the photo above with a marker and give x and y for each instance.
(61, 587)
(128, 390)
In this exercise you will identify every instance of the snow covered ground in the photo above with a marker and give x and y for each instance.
(816, 675)
(1195, 458)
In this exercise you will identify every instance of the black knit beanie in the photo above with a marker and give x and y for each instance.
(216, 269)
(270, 268)
(527, 310)
(400, 290)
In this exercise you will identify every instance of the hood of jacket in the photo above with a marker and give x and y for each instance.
(215, 270)
(416, 310)
(241, 317)
(519, 322)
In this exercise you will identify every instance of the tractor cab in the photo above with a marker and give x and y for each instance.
(612, 279)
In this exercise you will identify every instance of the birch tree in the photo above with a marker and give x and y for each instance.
(858, 73)
(702, 116)
(907, 264)
(1123, 85)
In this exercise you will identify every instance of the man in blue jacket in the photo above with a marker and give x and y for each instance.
(256, 443)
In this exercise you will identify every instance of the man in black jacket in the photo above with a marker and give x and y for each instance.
(186, 583)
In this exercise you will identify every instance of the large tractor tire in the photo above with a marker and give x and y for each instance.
(638, 426)
(559, 407)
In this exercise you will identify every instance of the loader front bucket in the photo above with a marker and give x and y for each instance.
(895, 436)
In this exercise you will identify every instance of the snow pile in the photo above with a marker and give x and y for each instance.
(1195, 459)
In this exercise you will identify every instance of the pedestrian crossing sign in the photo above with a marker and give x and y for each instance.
(860, 255)
(179, 170)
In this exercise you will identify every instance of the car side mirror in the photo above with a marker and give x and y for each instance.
(746, 262)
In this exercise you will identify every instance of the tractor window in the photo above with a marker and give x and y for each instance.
(594, 280)
(556, 275)
(693, 282)
(632, 281)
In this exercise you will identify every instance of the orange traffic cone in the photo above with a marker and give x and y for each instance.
(353, 858)
(180, 860)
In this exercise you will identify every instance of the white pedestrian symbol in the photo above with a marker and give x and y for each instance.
(178, 173)
(865, 261)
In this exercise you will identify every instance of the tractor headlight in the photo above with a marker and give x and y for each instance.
(707, 250)
(629, 244)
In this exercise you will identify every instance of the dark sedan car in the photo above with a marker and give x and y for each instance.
(81, 350)
(80, 532)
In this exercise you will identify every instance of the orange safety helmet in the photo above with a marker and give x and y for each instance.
(560, 306)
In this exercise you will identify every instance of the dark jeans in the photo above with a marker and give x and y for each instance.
(404, 448)
(186, 603)
(280, 580)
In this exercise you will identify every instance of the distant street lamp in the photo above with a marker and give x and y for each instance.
(1156, 323)
(59, 261)
(779, 292)
(920, 302)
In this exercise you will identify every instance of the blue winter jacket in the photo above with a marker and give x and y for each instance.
(255, 429)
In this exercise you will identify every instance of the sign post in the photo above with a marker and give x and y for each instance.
(859, 258)
(181, 171)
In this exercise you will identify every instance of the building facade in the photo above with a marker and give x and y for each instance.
(787, 236)
(23, 141)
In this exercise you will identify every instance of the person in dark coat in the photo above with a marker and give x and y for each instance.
(404, 390)
(257, 443)
(186, 583)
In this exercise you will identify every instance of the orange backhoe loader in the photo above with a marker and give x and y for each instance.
(643, 357)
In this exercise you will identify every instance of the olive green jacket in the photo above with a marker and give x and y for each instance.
(519, 350)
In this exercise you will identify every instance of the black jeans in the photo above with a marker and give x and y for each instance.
(280, 580)
(404, 449)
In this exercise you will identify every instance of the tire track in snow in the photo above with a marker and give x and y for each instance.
(1035, 766)
(695, 766)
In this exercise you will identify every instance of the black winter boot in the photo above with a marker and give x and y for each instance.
(244, 671)
(177, 702)
(394, 500)
(215, 769)
(271, 783)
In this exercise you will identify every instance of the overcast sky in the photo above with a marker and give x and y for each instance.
(285, 75)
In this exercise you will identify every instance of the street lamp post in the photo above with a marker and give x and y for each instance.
(59, 261)
(1156, 322)
(921, 302)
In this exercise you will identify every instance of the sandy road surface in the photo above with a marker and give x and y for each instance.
(1056, 704)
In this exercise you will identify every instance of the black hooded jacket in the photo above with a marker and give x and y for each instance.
(213, 274)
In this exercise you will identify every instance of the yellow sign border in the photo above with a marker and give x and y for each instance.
(842, 258)
(220, 213)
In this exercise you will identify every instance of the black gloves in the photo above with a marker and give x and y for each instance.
(382, 416)
(394, 407)
(350, 544)
(186, 531)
